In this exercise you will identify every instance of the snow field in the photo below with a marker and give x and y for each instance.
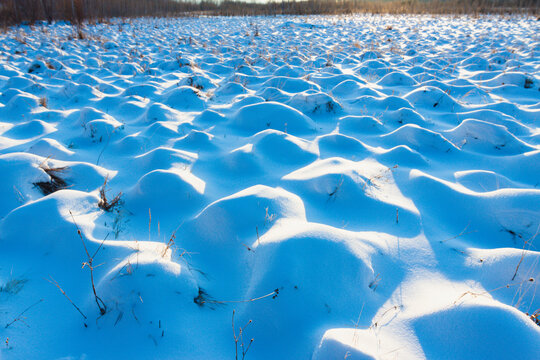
(359, 187)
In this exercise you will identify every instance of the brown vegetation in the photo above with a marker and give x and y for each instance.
(106, 204)
(55, 183)
(76, 11)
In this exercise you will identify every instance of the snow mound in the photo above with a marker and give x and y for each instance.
(166, 192)
(196, 141)
(333, 145)
(397, 79)
(47, 147)
(29, 129)
(430, 97)
(314, 103)
(512, 211)
(420, 139)
(164, 158)
(355, 195)
(352, 343)
(272, 115)
(360, 124)
(483, 181)
(484, 137)
(140, 287)
(283, 148)
(458, 323)
(184, 98)
(42, 241)
(240, 214)
(290, 85)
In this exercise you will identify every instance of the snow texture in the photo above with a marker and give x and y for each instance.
(359, 187)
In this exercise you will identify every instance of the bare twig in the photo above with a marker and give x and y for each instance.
(463, 232)
(100, 245)
(355, 334)
(240, 339)
(171, 241)
(55, 283)
(101, 305)
(474, 294)
(523, 252)
(273, 293)
(20, 316)
(376, 324)
(258, 238)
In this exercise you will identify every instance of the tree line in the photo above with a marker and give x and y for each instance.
(77, 11)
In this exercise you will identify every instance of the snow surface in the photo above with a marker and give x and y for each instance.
(372, 181)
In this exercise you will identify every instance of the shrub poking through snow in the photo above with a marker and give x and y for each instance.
(239, 340)
(90, 264)
(106, 204)
(194, 84)
(170, 244)
(55, 183)
(203, 298)
(36, 67)
(43, 102)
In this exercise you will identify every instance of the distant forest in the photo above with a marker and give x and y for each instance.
(77, 11)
